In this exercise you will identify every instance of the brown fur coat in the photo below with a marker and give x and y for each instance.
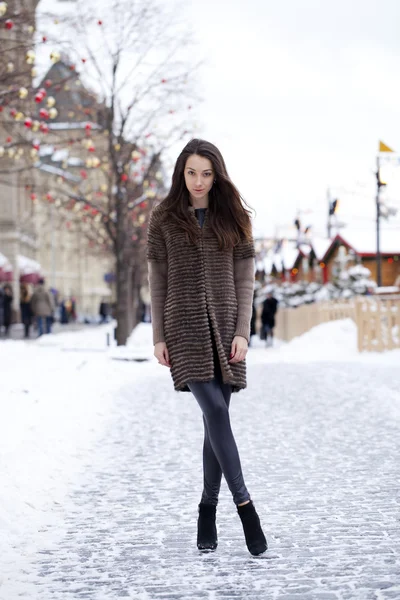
(189, 282)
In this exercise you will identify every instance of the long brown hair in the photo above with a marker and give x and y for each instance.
(227, 213)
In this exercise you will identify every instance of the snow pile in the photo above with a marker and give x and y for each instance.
(335, 341)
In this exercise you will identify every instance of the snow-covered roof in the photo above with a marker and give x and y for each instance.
(364, 241)
(277, 262)
(28, 265)
(268, 264)
(320, 246)
(60, 155)
(289, 255)
(56, 171)
(69, 126)
(305, 249)
(5, 264)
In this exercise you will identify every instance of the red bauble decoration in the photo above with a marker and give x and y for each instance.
(88, 127)
(1, 108)
(44, 128)
(83, 60)
(9, 24)
(28, 122)
(33, 197)
(92, 149)
(36, 146)
(83, 174)
(44, 114)
(124, 177)
(9, 140)
(43, 92)
(44, 39)
(39, 98)
(48, 83)
(72, 67)
(49, 197)
(99, 22)
(163, 81)
(13, 112)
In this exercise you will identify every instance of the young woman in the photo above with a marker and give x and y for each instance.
(201, 275)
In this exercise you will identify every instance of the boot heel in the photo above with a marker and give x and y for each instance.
(206, 528)
(253, 533)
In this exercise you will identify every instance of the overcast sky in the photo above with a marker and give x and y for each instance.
(297, 94)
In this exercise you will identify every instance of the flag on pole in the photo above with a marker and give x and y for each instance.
(384, 148)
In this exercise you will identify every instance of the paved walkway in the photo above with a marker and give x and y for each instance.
(320, 447)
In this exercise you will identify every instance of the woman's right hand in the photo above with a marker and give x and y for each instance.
(161, 354)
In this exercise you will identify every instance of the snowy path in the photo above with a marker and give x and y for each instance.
(319, 443)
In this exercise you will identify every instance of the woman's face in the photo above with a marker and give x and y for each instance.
(199, 176)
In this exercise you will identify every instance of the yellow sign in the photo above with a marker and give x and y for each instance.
(384, 148)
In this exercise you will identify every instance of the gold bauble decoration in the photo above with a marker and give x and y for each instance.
(117, 147)
(55, 56)
(10, 67)
(23, 93)
(3, 8)
(135, 155)
(30, 57)
(51, 101)
(1, 151)
(103, 186)
(34, 72)
(53, 112)
(35, 126)
(11, 152)
(19, 116)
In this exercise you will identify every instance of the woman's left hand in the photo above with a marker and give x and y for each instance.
(239, 349)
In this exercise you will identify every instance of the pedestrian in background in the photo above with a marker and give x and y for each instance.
(201, 275)
(270, 307)
(253, 318)
(26, 309)
(43, 308)
(7, 307)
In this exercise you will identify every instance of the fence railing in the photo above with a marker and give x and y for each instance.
(292, 322)
(378, 323)
(377, 320)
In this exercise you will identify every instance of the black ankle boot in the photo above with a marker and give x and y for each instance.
(206, 528)
(255, 538)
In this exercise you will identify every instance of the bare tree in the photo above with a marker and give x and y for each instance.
(135, 57)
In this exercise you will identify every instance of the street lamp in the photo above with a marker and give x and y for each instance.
(380, 182)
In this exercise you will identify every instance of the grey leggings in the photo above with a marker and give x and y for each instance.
(220, 453)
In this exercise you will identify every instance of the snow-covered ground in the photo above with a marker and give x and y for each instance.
(61, 396)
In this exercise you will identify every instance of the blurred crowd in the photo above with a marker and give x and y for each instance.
(38, 307)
